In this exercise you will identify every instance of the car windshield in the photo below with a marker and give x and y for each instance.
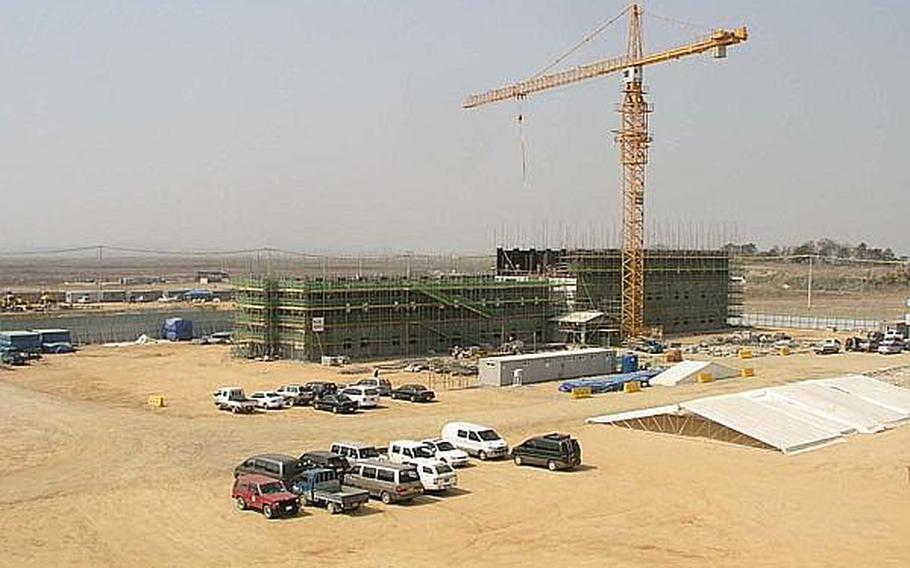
(293, 469)
(371, 392)
(488, 435)
(354, 392)
(274, 487)
(444, 446)
(369, 452)
(409, 475)
(342, 398)
(443, 468)
(422, 452)
(272, 394)
(417, 387)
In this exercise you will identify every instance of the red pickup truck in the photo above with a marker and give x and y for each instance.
(264, 494)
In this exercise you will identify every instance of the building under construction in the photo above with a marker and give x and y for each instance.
(379, 317)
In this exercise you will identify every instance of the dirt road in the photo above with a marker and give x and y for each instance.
(90, 476)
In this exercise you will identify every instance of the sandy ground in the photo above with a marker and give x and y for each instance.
(91, 476)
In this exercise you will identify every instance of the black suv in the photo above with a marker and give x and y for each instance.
(321, 388)
(555, 451)
(277, 466)
(328, 460)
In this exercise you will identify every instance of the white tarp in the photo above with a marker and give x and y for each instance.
(688, 371)
(798, 416)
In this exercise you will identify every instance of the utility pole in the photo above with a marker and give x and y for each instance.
(809, 287)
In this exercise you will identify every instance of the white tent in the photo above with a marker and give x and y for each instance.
(791, 418)
(688, 371)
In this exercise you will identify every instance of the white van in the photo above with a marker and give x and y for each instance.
(365, 397)
(434, 475)
(354, 451)
(476, 440)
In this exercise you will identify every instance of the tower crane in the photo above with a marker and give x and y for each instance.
(632, 136)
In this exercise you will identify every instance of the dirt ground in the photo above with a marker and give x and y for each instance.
(91, 476)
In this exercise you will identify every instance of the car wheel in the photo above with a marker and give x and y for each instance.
(240, 504)
(332, 508)
(551, 465)
(518, 460)
(267, 511)
(482, 455)
(414, 398)
(335, 409)
(386, 498)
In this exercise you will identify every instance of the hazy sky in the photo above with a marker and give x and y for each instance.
(337, 125)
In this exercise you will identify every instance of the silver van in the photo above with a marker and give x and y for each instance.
(388, 481)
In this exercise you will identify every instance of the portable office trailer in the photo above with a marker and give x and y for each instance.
(54, 335)
(547, 366)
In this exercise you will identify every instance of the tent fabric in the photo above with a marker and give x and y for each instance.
(798, 416)
(688, 371)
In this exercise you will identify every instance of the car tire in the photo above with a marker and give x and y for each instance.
(518, 461)
(414, 398)
(267, 512)
(482, 455)
(551, 465)
(335, 409)
(332, 508)
(385, 497)
(240, 504)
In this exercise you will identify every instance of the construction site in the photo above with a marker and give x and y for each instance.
(637, 401)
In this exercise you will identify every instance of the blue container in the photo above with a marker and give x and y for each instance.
(629, 363)
(177, 329)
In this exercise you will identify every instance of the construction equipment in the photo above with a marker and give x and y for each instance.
(632, 136)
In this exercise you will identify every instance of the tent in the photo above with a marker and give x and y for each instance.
(688, 371)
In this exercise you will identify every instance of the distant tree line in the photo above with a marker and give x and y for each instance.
(824, 249)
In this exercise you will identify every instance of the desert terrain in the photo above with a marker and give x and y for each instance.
(92, 476)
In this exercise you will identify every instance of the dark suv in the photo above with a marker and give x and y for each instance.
(328, 460)
(555, 451)
(277, 466)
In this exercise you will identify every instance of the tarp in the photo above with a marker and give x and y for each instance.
(688, 371)
(177, 329)
(796, 417)
(608, 383)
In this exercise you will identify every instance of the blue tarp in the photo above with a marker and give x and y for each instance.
(177, 329)
(609, 383)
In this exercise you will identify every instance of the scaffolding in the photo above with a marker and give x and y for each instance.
(367, 318)
(685, 290)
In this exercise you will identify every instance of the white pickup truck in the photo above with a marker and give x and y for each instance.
(233, 399)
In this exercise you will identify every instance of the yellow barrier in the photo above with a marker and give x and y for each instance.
(784, 350)
(157, 401)
(745, 353)
(747, 372)
(631, 386)
(705, 378)
(581, 392)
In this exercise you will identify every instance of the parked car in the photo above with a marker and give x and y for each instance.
(354, 451)
(270, 400)
(390, 482)
(890, 346)
(413, 392)
(277, 466)
(13, 356)
(265, 494)
(326, 460)
(445, 452)
(320, 388)
(404, 451)
(476, 440)
(827, 347)
(297, 394)
(416, 367)
(554, 451)
(233, 399)
(365, 397)
(320, 486)
(434, 475)
(382, 385)
(337, 403)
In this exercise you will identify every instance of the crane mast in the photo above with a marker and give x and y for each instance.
(633, 139)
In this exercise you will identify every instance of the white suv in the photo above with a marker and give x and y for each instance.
(365, 397)
(445, 452)
(434, 475)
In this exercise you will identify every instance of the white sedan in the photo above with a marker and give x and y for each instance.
(270, 400)
(445, 452)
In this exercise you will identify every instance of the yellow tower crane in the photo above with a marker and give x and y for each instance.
(632, 136)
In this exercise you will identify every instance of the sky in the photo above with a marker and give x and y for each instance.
(337, 125)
